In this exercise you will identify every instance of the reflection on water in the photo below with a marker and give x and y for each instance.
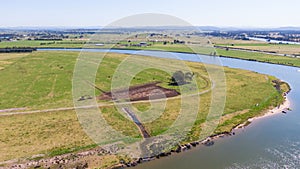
(284, 156)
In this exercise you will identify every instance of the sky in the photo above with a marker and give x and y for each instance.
(82, 13)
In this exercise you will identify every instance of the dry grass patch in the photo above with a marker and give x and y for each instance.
(27, 135)
(6, 56)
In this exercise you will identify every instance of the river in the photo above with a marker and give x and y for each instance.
(274, 41)
(271, 142)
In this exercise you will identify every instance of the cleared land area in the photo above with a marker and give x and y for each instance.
(142, 92)
(43, 80)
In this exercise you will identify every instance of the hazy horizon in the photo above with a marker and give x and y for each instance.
(204, 27)
(93, 13)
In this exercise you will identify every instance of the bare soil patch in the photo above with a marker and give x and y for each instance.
(149, 91)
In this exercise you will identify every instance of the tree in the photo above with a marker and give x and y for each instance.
(188, 76)
(178, 78)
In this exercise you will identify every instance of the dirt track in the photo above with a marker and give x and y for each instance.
(100, 105)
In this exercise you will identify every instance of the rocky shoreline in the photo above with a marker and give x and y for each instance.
(283, 108)
(61, 161)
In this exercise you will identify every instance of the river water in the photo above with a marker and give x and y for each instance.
(274, 41)
(271, 142)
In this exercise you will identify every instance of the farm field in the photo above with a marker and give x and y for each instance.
(287, 49)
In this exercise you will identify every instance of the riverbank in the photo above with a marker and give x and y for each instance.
(232, 54)
(283, 108)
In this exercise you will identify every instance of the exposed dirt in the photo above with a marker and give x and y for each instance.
(149, 91)
(12, 109)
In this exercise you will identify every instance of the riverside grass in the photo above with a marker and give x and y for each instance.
(43, 80)
(254, 56)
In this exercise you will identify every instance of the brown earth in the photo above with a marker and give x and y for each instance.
(149, 91)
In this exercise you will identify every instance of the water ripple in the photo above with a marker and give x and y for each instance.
(286, 156)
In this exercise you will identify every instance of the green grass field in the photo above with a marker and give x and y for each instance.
(43, 80)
